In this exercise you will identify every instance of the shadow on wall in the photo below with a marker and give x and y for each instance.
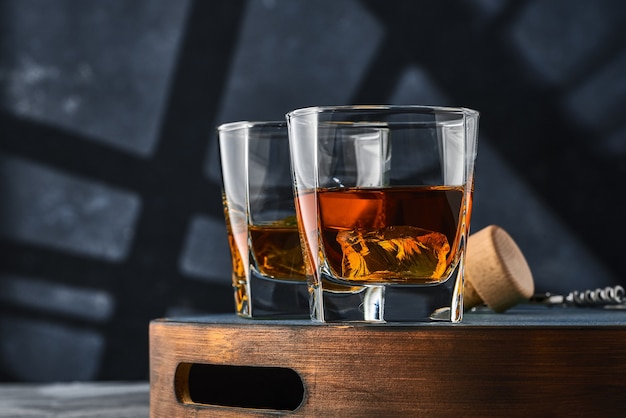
(110, 210)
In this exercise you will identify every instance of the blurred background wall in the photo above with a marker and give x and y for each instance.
(110, 207)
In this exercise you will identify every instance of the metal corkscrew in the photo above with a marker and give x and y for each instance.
(608, 297)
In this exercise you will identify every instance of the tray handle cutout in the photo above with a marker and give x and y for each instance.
(273, 388)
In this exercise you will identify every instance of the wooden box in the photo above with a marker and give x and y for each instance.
(528, 361)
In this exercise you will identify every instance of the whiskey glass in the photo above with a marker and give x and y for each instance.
(383, 200)
(267, 266)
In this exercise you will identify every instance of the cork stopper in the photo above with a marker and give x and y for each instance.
(496, 272)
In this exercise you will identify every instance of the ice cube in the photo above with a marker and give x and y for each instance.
(395, 251)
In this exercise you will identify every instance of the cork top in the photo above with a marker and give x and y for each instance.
(496, 271)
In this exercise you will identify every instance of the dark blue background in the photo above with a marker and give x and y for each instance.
(110, 207)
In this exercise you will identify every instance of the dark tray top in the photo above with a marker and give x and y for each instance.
(520, 316)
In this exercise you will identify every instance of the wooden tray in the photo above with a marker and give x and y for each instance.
(527, 361)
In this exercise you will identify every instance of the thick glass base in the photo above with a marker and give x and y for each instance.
(333, 302)
(266, 298)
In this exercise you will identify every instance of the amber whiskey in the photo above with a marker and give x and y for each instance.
(407, 235)
(277, 251)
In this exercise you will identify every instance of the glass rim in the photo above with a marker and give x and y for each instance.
(393, 108)
(246, 124)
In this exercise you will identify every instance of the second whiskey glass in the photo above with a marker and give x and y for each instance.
(267, 266)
